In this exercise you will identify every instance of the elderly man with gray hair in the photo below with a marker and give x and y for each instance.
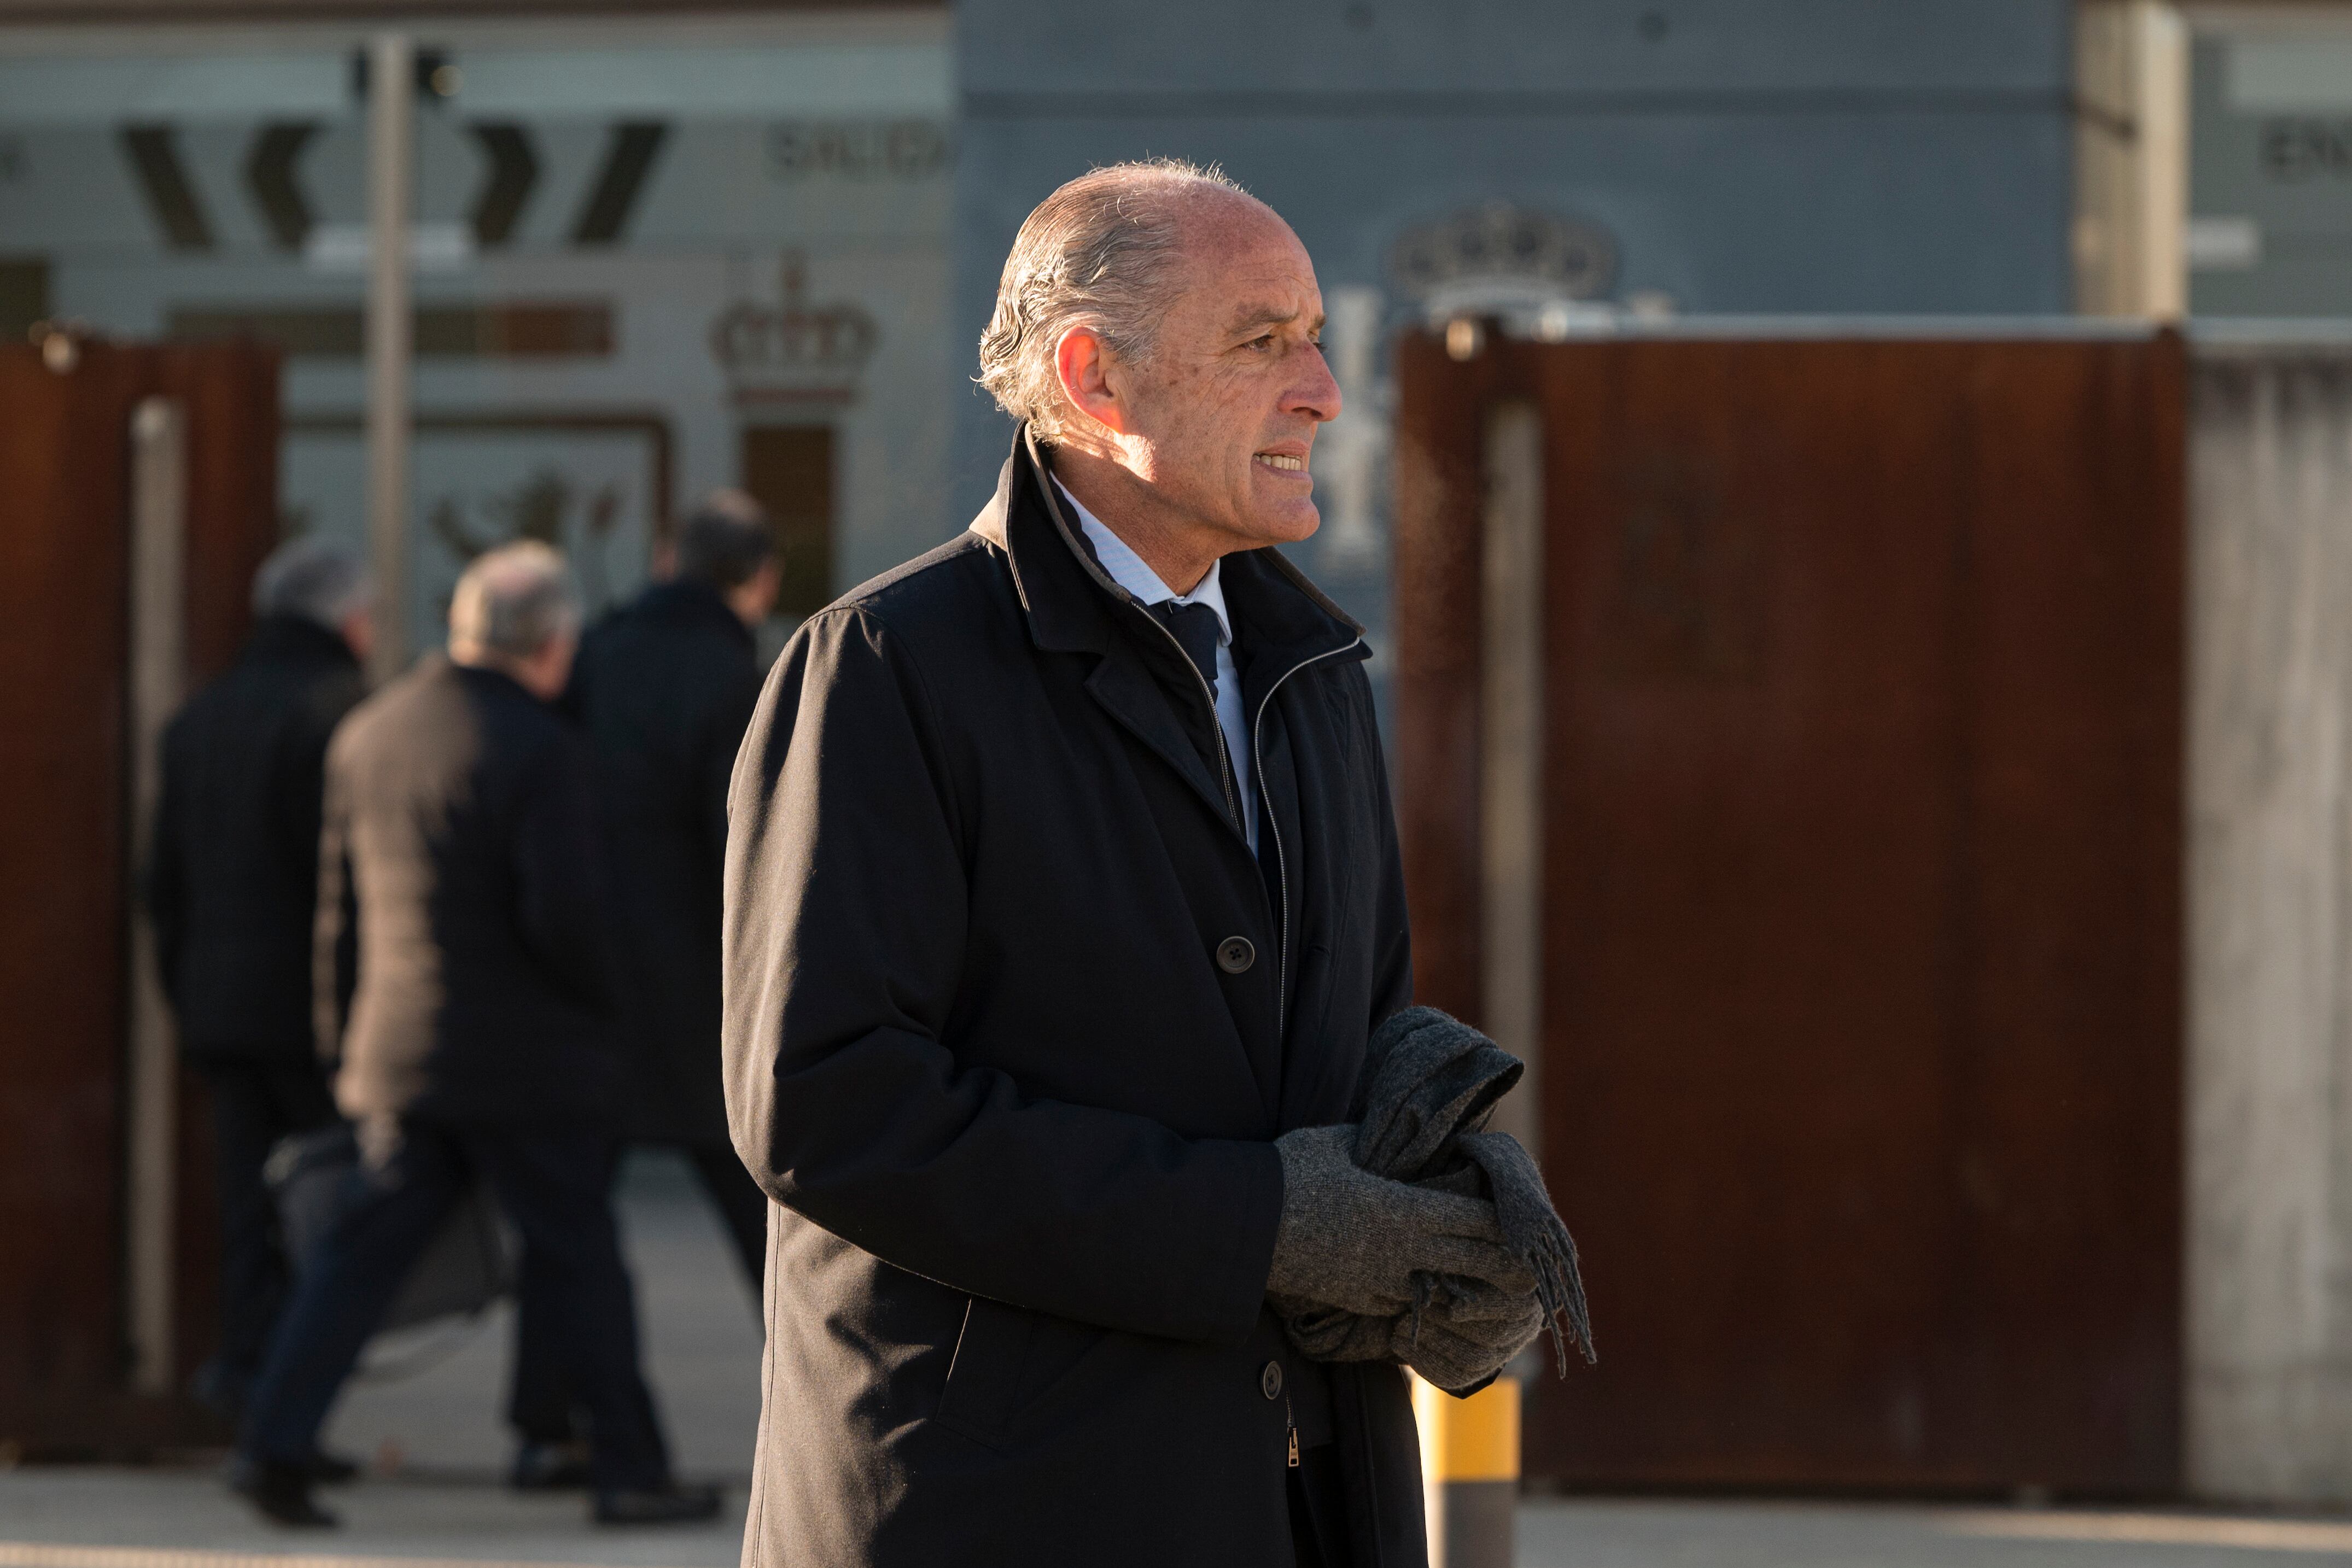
(458, 834)
(232, 885)
(1063, 916)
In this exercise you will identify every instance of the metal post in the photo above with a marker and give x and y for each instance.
(1349, 450)
(392, 126)
(1470, 1448)
(159, 665)
(1511, 745)
(1470, 1472)
(2131, 159)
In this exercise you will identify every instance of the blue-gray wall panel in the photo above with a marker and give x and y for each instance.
(1288, 46)
(1771, 156)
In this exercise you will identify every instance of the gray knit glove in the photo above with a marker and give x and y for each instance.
(1457, 1355)
(1469, 1335)
(1351, 1240)
(1467, 1332)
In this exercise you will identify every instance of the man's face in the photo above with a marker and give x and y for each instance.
(755, 597)
(1226, 406)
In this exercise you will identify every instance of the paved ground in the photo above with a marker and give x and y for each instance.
(1595, 1533)
(123, 1519)
(434, 1432)
(437, 1402)
(427, 1420)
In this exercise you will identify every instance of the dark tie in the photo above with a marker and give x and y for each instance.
(1195, 626)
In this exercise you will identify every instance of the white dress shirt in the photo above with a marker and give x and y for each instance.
(1127, 569)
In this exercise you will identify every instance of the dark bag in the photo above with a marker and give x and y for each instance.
(469, 1264)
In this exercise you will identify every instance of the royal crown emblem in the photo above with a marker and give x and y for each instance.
(793, 352)
(1499, 242)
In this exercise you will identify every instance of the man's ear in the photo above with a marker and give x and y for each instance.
(1083, 362)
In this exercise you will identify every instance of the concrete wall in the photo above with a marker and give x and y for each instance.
(2270, 868)
(1747, 155)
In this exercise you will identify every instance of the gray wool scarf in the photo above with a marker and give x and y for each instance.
(1430, 1085)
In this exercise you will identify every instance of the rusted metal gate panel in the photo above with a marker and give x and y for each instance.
(231, 394)
(65, 439)
(1862, 917)
(62, 629)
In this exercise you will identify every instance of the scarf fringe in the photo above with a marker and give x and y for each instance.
(1559, 1286)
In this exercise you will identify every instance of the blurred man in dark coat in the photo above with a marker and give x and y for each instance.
(458, 808)
(665, 688)
(232, 886)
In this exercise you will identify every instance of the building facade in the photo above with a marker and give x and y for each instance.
(651, 258)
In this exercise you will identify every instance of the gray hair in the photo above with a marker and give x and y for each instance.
(315, 580)
(726, 541)
(1096, 254)
(513, 601)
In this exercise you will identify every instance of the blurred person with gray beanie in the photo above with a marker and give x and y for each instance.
(665, 687)
(472, 1019)
(232, 885)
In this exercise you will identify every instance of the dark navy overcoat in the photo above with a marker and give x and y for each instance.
(991, 1047)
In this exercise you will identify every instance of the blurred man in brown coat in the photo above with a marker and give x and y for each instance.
(664, 688)
(476, 1045)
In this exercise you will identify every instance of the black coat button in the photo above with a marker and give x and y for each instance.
(1269, 1381)
(1234, 955)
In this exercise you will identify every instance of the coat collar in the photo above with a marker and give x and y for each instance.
(683, 602)
(1142, 678)
(297, 637)
(483, 680)
(1070, 600)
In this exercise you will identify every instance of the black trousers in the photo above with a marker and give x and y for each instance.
(255, 1103)
(540, 1403)
(555, 1184)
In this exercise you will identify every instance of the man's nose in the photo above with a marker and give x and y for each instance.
(1316, 394)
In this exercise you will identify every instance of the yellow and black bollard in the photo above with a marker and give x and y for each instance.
(1470, 1472)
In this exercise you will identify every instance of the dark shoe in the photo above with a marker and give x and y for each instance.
(326, 1469)
(672, 1504)
(279, 1492)
(550, 1466)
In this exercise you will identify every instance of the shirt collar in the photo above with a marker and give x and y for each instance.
(1128, 569)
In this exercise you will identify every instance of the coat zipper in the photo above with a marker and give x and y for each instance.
(1281, 861)
(1265, 816)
